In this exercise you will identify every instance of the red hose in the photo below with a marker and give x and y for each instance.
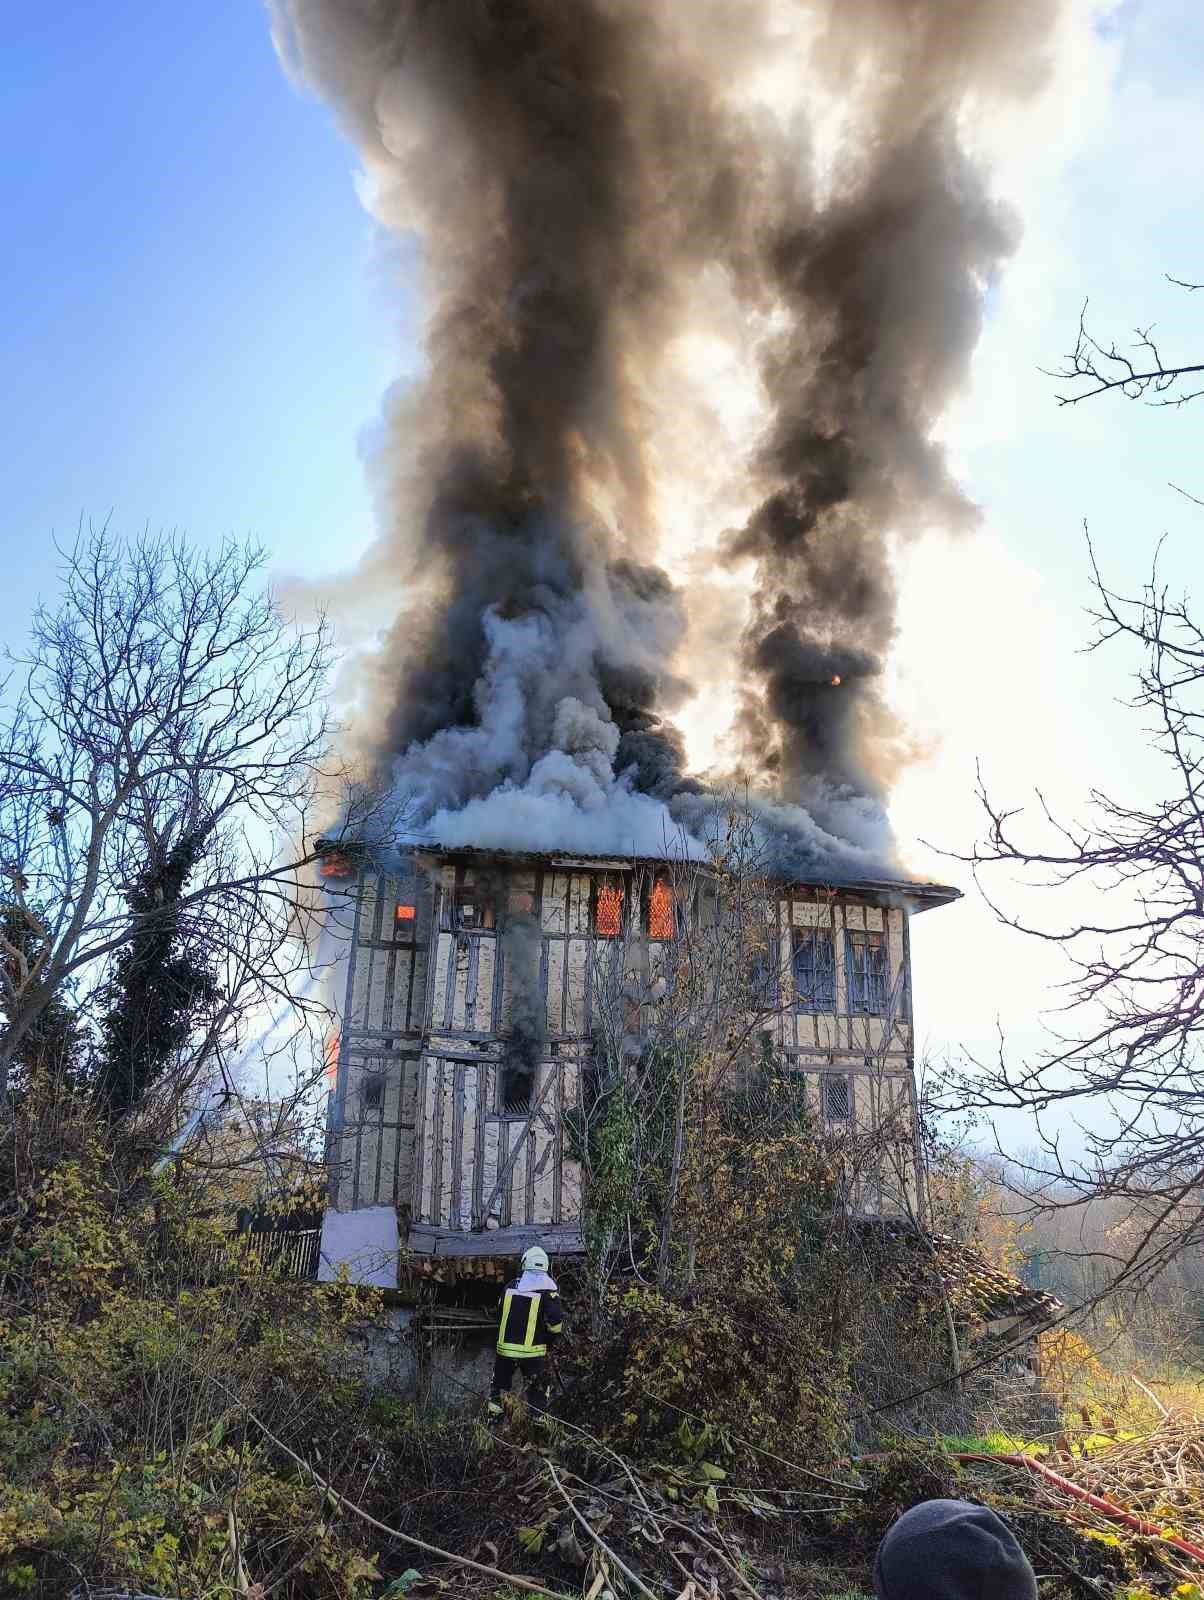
(1117, 1513)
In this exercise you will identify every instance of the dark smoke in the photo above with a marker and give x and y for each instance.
(527, 1011)
(575, 171)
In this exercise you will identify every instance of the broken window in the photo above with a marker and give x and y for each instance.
(865, 971)
(837, 1096)
(660, 910)
(469, 909)
(608, 910)
(373, 1091)
(814, 969)
(516, 1088)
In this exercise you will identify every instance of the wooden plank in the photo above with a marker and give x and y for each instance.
(469, 1078)
(509, 1241)
(491, 1152)
(447, 1150)
(421, 1202)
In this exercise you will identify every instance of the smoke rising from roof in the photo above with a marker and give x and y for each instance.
(575, 173)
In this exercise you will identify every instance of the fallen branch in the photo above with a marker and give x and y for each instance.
(1149, 1393)
(529, 1584)
(597, 1537)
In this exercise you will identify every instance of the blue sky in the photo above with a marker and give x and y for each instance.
(201, 320)
(196, 322)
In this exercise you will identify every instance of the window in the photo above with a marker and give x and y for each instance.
(814, 967)
(608, 910)
(761, 972)
(373, 1091)
(865, 972)
(516, 1087)
(469, 909)
(660, 910)
(837, 1097)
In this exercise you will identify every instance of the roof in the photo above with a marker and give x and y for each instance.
(921, 895)
(979, 1293)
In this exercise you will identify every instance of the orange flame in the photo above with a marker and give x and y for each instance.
(608, 920)
(331, 1053)
(836, 680)
(660, 911)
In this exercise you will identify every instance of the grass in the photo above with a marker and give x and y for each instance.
(992, 1444)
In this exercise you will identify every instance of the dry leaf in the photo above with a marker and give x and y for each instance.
(569, 1547)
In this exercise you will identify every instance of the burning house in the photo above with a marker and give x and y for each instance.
(469, 1029)
(699, 283)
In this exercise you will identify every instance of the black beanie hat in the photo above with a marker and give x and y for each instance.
(952, 1550)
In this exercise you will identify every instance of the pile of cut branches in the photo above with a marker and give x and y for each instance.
(1156, 1480)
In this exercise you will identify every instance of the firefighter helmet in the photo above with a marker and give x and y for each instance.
(535, 1259)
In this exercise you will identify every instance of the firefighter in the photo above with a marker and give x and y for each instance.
(530, 1320)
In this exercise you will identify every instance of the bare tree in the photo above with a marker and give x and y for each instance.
(687, 1063)
(160, 766)
(1126, 1061)
(1095, 366)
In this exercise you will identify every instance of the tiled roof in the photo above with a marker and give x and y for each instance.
(979, 1293)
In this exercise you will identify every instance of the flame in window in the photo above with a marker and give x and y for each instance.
(335, 867)
(608, 921)
(660, 910)
(405, 914)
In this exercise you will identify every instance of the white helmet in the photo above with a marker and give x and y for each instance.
(535, 1259)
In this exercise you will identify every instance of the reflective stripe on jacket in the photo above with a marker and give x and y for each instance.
(529, 1319)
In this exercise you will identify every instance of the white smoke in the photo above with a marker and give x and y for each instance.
(537, 771)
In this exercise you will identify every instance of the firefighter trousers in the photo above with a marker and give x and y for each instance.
(534, 1371)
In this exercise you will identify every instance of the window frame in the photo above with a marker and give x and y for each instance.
(765, 985)
(661, 881)
(818, 1001)
(865, 991)
(828, 1080)
(609, 880)
(501, 1110)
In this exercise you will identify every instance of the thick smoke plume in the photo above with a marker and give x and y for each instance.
(576, 172)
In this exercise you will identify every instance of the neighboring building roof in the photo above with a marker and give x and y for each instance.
(981, 1295)
(923, 896)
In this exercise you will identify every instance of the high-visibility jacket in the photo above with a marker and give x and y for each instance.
(529, 1319)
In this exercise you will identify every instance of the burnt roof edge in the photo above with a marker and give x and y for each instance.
(921, 895)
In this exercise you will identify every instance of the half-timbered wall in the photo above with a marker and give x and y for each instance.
(426, 1116)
